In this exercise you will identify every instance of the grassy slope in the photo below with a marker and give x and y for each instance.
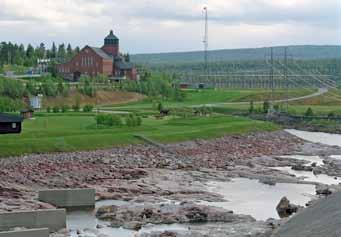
(321, 105)
(102, 97)
(69, 133)
(210, 96)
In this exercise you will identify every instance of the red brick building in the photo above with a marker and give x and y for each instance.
(93, 61)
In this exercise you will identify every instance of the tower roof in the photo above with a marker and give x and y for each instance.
(111, 36)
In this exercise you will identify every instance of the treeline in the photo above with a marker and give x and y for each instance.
(155, 86)
(14, 54)
(12, 92)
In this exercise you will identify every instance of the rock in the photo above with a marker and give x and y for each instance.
(285, 208)
(99, 226)
(267, 181)
(300, 167)
(136, 216)
(317, 171)
(323, 190)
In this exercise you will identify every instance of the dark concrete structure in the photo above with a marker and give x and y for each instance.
(69, 198)
(26, 233)
(10, 123)
(54, 220)
(93, 61)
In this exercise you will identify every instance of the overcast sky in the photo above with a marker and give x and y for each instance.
(145, 26)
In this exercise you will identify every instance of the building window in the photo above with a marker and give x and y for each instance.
(14, 125)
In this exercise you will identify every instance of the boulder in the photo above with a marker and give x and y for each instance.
(323, 190)
(300, 167)
(285, 208)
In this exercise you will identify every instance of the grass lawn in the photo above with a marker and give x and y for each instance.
(293, 109)
(52, 133)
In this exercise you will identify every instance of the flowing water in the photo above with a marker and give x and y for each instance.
(309, 175)
(87, 223)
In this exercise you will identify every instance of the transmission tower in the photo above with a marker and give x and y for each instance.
(286, 76)
(272, 83)
(205, 41)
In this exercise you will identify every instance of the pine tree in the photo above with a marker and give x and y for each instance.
(69, 51)
(53, 53)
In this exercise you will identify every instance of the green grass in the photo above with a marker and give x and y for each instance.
(52, 133)
(293, 109)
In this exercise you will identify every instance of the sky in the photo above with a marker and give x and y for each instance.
(150, 26)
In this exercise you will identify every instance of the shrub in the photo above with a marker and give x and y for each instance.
(266, 106)
(65, 108)
(251, 108)
(309, 112)
(55, 109)
(88, 108)
(159, 107)
(76, 108)
(331, 115)
(108, 120)
(133, 120)
(48, 109)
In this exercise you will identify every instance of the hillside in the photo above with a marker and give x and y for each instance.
(298, 52)
(101, 98)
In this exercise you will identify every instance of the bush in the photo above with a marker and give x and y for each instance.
(159, 107)
(65, 108)
(309, 112)
(76, 108)
(266, 106)
(55, 109)
(88, 108)
(108, 120)
(331, 115)
(48, 109)
(251, 108)
(87, 86)
(133, 120)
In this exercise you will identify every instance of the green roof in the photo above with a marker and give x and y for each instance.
(111, 36)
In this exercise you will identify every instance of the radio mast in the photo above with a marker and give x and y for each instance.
(205, 41)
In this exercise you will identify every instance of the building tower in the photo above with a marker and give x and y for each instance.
(111, 44)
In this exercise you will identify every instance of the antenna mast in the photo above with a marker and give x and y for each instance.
(205, 41)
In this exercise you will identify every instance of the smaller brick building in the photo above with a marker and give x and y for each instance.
(93, 61)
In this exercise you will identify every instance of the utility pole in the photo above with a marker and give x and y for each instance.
(205, 41)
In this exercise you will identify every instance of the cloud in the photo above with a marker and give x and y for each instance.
(167, 25)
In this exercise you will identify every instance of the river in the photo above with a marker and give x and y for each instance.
(243, 196)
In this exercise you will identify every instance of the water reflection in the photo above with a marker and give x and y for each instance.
(309, 176)
(318, 137)
(86, 222)
(245, 196)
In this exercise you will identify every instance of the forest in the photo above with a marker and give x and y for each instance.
(18, 54)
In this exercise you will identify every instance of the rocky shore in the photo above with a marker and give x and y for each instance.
(150, 175)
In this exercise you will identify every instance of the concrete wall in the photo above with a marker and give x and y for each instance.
(26, 233)
(69, 198)
(53, 219)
